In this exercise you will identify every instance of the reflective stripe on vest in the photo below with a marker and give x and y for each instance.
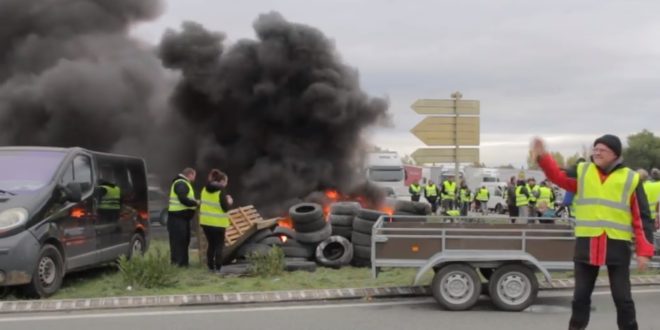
(521, 199)
(175, 203)
(211, 212)
(482, 195)
(449, 190)
(431, 190)
(110, 201)
(604, 207)
(545, 194)
(652, 190)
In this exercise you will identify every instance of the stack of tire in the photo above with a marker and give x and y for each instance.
(341, 218)
(361, 236)
(409, 208)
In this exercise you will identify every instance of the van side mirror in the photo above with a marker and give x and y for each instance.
(72, 192)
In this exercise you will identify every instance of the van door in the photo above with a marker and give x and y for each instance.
(76, 223)
(111, 192)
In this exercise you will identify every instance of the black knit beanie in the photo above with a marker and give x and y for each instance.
(611, 141)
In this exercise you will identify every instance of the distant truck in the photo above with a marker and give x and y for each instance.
(385, 169)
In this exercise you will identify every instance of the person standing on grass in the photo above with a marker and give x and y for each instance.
(215, 202)
(180, 213)
(610, 209)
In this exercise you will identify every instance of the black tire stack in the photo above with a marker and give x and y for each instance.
(409, 208)
(341, 218)
(361, 236)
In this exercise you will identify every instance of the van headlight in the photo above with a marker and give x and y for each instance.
(12, 218)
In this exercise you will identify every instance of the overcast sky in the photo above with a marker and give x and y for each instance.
(568, 71)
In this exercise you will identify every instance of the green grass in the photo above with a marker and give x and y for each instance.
(107, 281)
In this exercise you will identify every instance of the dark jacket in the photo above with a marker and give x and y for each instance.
(181, 190)
(603, 250)
(213, 187)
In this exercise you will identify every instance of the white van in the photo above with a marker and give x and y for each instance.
(496, 202)
(385, 169)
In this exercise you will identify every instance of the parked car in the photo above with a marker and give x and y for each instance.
(158, 204)
(63, 210)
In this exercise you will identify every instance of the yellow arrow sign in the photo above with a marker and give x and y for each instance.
(441, 131)
(437, 155)
(445, 107)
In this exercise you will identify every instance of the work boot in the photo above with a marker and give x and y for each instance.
(572, 325)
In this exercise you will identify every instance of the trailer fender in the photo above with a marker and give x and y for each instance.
(479, 256)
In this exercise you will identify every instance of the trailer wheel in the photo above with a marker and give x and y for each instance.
(513, 287)
(456, 287)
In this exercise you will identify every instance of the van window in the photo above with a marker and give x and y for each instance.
(27, 170)
(386, 174)
(80, 171)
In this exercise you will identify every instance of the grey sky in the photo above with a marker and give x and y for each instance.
(566, 70)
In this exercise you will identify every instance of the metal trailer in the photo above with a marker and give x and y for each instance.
(463, 250)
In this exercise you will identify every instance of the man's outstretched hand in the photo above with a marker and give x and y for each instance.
(537, 148)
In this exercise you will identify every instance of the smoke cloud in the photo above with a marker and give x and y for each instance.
(282, 114)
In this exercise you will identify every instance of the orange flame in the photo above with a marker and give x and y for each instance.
(332, 194)
(283, 238)
(387, 210)
(285, 222)
(77, 212)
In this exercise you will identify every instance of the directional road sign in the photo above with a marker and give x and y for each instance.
(445, 107)
(445, 155)
(441, 131)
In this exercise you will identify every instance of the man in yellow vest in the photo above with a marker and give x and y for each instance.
(464, 198)
(546, 195)
(448, 193)
(652, 190)
(180, 213)
(522, 201)
(482, 197)
(431, 193)
(109, 203)
(415, 191)
(215, 202)
(610, 209)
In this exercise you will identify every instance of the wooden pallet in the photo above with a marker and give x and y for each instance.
(243, 222)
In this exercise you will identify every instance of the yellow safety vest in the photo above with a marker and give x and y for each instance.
(431, 190)
(652, 190)
(415, 189)
(482, 195)
(465, 195)
(604, 207)
(110, 201)
(545, 194)
(521, 199)
(450, 190)
(211, 212)
(531, 191)
(175, 203)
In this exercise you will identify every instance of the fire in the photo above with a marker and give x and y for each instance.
(283, 238)
(332, 194)
(285, 222)
(387, 210)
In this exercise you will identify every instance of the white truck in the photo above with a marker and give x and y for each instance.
(385, 169)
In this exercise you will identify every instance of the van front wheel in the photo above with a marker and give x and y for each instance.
(48, 273)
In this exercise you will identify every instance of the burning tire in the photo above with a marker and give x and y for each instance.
(368, 214)
(340, 219)
(361, 239)
(342, 231)
(306, 212)
(344, 208)
(288, 232)
(316, 236)
(335, 251)
(363, 226)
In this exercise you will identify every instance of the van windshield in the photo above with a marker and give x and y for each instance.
(27, 170)
(386, 174)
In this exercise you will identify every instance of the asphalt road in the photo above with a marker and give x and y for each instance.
(550, 313)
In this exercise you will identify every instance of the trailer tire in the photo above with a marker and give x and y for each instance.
(513, 287)
(363, 226)
(456, 286)
(341, 219)
(361, 238)
(316, 236)
(368, 214)
(305, 212)
(345, 208)
(334, 252)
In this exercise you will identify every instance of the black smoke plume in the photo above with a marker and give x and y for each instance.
(282, 114)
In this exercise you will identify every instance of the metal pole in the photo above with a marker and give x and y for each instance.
(456, 96)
